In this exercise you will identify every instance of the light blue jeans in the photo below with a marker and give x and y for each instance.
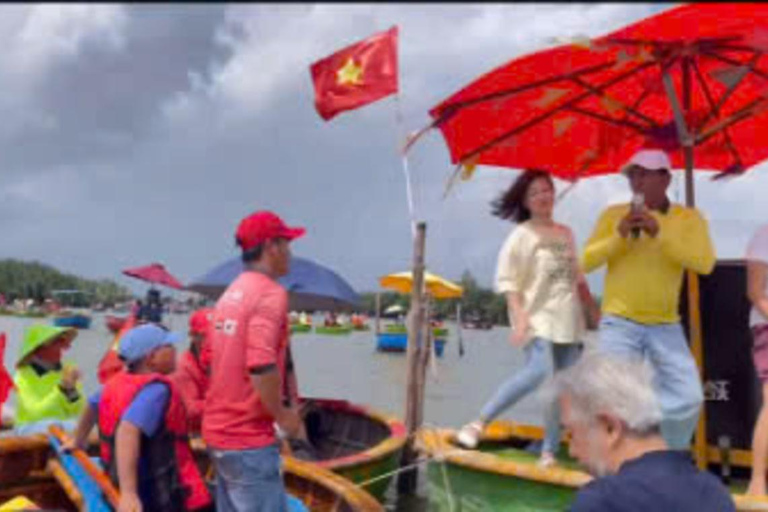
(676, 378)
(249, 480)
(540, 356)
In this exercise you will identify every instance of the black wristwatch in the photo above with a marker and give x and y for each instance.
(72, 394)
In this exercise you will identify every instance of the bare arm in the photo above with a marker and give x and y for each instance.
(127, 445)
(757, 272)
(84, 427)
(268, 384)
(515, 307)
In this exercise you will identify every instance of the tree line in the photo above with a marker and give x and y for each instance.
(34, 280)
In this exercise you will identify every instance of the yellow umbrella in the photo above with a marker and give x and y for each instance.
(437, 287)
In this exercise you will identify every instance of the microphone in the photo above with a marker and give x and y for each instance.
(637, 205)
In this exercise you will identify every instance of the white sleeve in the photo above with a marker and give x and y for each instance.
(512, 264)
(757, 250)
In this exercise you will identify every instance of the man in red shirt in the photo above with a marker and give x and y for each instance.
(248, 387)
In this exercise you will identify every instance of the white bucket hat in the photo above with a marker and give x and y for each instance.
(650, 159)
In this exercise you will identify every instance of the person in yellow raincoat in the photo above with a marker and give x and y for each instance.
(48, 391)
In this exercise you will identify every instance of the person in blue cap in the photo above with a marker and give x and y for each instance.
(143, 425)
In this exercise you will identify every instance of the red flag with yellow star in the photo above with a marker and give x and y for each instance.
(356, 75)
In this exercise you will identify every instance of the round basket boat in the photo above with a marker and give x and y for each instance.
(300, 328)
(29, 469)
(353, 441)
(502, 474)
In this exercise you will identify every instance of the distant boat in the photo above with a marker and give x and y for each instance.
(301, 328)
(396, 340)
(115, 323)
(334, 330)
(75, 320)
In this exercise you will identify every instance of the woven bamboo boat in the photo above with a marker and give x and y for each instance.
(29, 469)
(353, 441)
(502, 475)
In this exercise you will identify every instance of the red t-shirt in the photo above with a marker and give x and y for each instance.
(250, 330)
(192, 383)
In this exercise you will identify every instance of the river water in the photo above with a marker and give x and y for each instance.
(349, 368)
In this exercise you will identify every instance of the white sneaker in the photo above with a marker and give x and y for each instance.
(547, 460)
(469, 435)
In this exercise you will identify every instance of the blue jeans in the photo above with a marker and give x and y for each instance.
(540, 356)
(249, 480)
(676, 378)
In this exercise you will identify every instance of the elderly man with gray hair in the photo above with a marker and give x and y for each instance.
(609, 407)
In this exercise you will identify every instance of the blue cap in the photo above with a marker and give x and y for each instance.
(138, 342)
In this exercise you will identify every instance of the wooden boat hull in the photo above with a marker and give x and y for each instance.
(484, 480)
(76, 321)
(25, 470)
(398, 342)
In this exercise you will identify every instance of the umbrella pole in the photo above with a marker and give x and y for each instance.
(407, 479)
(694, 324)
(458, 329)
(692, 279)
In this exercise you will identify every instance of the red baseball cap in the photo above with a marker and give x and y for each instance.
(261, 226)
(200, 320)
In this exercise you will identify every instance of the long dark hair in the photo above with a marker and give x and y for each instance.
(511, 204)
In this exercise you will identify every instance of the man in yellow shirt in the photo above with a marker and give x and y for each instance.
(647, 245)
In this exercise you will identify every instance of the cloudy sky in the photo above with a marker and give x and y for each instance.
(133, 134)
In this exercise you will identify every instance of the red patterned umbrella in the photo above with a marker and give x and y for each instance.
(691, 76)
(156, 274)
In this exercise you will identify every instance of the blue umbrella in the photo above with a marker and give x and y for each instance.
(310, 286)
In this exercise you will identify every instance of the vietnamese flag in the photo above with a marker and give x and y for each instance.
(357, 75)
(6, 383)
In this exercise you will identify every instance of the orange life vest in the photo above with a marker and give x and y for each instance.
(176, 482)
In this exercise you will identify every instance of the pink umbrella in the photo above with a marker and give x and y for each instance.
(156, 274)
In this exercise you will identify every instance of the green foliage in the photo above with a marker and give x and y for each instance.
(33, 280)
(476, 302)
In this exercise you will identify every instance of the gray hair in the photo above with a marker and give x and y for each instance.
(615, 386)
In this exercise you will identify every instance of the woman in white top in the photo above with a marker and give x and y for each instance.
(538, 272)
(757, 290)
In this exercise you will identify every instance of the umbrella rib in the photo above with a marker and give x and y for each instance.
(715, 110)
(452, 109)
(719, 41)
(647, 88)
(759, 72)
(549, 113)
(602, 117)
(732, 88)
(739, 115)
(653, 123)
